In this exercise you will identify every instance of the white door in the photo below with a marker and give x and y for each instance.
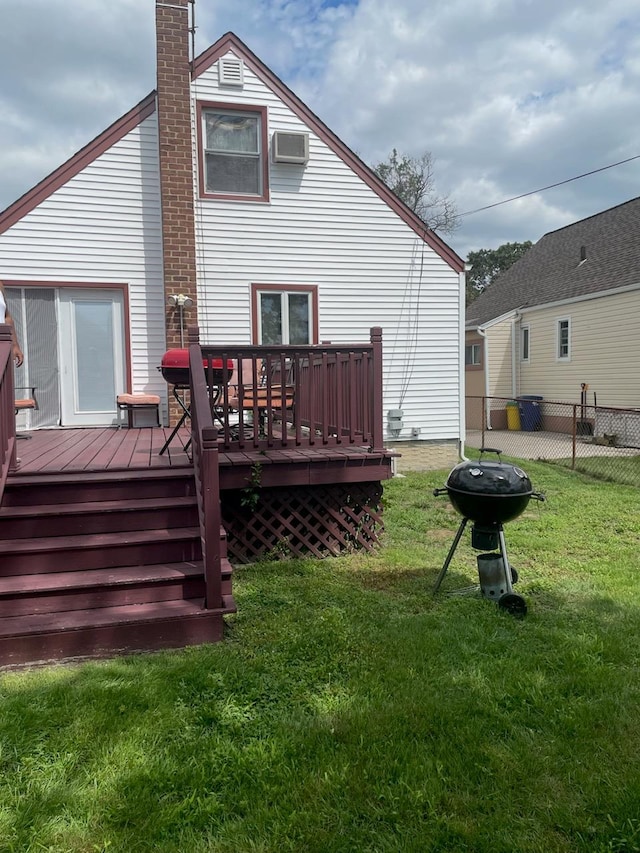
(91, 355)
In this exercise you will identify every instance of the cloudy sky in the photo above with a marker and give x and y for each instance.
(509, 96)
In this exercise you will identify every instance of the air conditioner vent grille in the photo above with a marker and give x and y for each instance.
(290, 147)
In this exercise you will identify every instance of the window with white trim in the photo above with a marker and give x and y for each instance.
(285, 315)
(525, 338)
(563, 335)
(473, 355)
(233, 152)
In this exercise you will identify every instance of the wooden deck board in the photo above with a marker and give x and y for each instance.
(69, 451)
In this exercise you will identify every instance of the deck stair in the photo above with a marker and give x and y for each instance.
(102, 564)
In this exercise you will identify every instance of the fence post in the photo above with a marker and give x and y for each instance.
(574, 430)
(485, 404)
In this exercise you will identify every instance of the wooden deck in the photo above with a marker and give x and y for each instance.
(108, 544)
(91, 450)
(56, 451)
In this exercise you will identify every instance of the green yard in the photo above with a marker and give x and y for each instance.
(349, 710)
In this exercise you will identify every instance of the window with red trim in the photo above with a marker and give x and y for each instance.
(285, 314)
(233, 146)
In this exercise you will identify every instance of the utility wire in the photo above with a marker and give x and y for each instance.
(550, 187)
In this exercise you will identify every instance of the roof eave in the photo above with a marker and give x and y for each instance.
(60, 176)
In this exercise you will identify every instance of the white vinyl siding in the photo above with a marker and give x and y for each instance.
(605, 351)
(103, 227)
(323, 226)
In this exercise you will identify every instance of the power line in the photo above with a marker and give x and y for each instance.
(551, 186)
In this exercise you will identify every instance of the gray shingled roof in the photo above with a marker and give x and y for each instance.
(551, 270)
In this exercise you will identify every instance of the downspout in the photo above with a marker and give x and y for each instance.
(462, 293)
(485, 358)
(517, 343)
(514, 390)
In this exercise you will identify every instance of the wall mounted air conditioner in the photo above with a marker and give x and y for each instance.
(230, 71)
(290, 147)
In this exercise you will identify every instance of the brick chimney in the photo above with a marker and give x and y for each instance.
(176, 159)
(176, 164)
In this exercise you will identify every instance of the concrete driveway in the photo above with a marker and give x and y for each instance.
(543, 445)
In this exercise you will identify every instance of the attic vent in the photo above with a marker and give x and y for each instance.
(290, 147)
(230, 71)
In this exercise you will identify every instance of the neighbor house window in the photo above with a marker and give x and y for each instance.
(524, 343)
(286, 314)
(233, 146)
(472, 355)
(564, 339)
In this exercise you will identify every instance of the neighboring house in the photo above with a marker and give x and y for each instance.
(566, 313)
(224, 188)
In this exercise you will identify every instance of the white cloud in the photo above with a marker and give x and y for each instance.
(507, 95)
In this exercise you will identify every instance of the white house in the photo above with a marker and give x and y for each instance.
(271, 227)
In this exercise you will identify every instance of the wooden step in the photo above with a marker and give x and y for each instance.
(99, 551)
(59, 591)
(103, 485)
(26, 522)
(107, 631)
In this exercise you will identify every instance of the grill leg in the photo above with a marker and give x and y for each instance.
(505, 562)
(452, 551)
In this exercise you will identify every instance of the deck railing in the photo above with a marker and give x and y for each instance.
(205, 464)
(326, 395)
(7, 408)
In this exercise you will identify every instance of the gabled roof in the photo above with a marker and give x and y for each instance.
(146, 107)
(77, 162)
(231, 42)
(593, 255)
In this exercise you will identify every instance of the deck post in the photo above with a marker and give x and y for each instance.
(7, 407)
(376, 391)
(207, 474)
(210, 530)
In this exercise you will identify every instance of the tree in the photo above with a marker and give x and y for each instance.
(487, 264)
(411, 179)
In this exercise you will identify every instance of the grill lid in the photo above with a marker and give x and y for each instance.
(180, 358)
(489, 478)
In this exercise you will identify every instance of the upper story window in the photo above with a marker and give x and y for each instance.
(563, 333)
(525, 338)
(233, 152)
(473, 355)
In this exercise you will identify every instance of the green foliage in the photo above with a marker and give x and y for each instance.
(412, 180)
(487, 264)
(250, 495)
(348, 709)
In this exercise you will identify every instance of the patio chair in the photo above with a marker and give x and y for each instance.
(22, 402)
(250, 396)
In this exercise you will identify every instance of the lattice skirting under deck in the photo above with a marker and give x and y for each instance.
(302, 520)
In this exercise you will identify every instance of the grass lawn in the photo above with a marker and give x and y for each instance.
(349, 710)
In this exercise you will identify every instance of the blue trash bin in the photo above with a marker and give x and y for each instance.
(530, 412)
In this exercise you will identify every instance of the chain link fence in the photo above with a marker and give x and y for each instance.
(597, 440)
